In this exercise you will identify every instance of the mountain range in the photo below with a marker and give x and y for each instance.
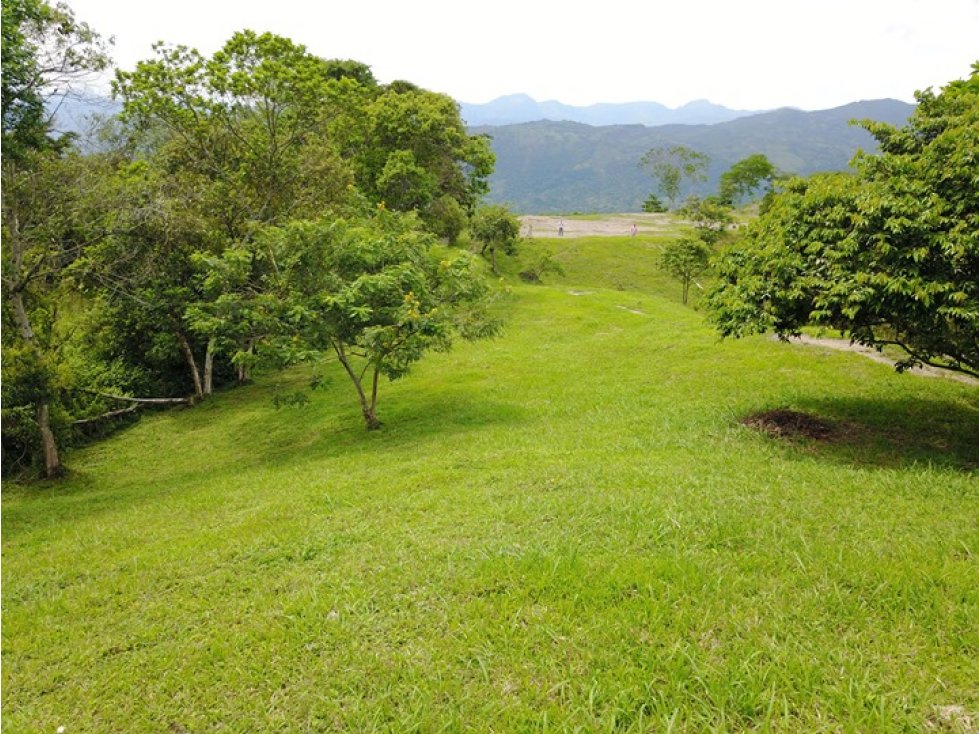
(553, 158)
(553, 167)
(516, 108)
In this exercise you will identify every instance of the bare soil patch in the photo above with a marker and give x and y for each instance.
(792, 424)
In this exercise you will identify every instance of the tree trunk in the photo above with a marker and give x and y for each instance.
(209, 367)
(493, 260)
(369, 409)
(191, 363)
(244, 374)
(49, 445)
(686, 290)
(52, 464)
(20, 316)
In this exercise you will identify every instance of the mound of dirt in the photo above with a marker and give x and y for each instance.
(791, 424)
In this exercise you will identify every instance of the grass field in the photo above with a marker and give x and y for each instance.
(562, 529)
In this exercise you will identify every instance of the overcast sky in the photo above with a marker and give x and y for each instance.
(744, 54)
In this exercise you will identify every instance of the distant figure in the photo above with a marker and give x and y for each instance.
(560, 228)
(530, 230)
(634, 229)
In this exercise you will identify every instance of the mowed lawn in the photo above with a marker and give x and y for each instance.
(562, 529)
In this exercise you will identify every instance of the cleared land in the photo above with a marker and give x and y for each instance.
(567, 528)
(539, 225)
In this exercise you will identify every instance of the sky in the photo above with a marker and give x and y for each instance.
(743, 54)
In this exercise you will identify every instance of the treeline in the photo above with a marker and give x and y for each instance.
(259, 206)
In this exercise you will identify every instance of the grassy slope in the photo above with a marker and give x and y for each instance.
(562, 529)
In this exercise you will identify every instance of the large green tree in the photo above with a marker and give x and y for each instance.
(414, 150)
(233, 142)
(263, 133)
(889, 254)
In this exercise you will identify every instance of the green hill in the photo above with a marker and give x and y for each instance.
(567, 166)
(562, 529)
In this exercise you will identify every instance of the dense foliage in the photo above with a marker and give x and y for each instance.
(889, 254)
(46, 52)
(148, 272)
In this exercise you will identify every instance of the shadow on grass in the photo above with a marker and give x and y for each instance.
(228, 448)
(899, 431)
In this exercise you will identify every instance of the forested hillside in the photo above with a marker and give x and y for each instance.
(567, 166)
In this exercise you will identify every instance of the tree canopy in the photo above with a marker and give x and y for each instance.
(685, 259)
(745, 177)
(889, 254)
(494, 228)
(46, 54)
(374, 291)
(670, 166)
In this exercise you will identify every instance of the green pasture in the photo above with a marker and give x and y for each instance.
(564, 529)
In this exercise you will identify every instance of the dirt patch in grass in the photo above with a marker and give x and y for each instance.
(952, 719)
(792, 424)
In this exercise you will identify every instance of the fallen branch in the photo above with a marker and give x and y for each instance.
(110, 414)
(143, 401)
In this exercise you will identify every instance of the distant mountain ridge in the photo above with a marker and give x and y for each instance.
(516, 108)
(553, 167)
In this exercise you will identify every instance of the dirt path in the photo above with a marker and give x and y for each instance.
(844, 345)
(539, 225)
(536, 225)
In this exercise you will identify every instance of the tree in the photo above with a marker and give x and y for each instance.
(685, 259)
(45, 52)
(744, 178)
(375, 291)
(445, 218)
(264, 133)
(653, 205)
(251, 123)
(412, 148)
(140, 275)
(237, 141)
(889, 254)
(670, 166)
(494, 228)
(710, 217)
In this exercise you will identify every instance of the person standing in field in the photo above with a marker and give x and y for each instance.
(635, 229)
(560, 228)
